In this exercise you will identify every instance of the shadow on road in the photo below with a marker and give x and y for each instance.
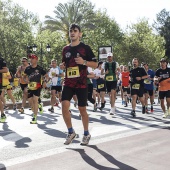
(107, 156)
(20, 141)
(2, 167)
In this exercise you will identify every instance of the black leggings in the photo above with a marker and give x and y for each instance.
(90, 93)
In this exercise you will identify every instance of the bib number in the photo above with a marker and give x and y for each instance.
(73, 72)
(109, 78)
(146, 81)
(100, 86)
(32, 86)
(53, 74)
(136, 86)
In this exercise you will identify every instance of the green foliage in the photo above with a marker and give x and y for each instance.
(163, 27)
(75, 11)
(107, 33)
(56, 42)
(15, 32)
(140, 42)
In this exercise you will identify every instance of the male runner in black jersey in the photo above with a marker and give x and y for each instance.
(33, 75)
(137, 76)
(77, 57)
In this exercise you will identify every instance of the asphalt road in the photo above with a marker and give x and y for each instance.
(119, 142)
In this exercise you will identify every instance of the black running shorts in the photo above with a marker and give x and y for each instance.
(81, 94)
(163, 94)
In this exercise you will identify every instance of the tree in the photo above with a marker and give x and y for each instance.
(56, 42)
(75, 11)
(106, 33)
(163, 27)
(15, 32)
(140, 42)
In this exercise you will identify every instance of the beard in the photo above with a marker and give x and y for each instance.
(135, 65)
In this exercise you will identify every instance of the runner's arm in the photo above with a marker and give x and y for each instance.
(18, 72)
(4, 70)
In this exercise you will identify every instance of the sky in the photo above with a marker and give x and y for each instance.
(124, 12)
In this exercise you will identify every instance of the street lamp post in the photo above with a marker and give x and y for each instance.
(41, 52)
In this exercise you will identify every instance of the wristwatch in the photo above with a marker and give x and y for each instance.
(85, 62)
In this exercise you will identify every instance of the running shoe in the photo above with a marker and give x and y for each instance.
(21, 110)
(126, 105)
(14, 107)
(101, 108)
(95, 107)
(104, 104)
(85, 140)
(143, 110)
(40, 107)
(3, 118)
(133, 113)
(112, 111)
(69, 138)
(51, 110)
(146, 110)
(151, 109)
(130, 100)
(34, 120)
(56, 104)
(165, 114)
(6, 107)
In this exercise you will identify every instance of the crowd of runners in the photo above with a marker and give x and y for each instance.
(81, 78)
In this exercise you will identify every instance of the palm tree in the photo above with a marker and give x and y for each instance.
(75, 11)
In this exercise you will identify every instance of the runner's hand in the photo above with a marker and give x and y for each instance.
(79, 60)
(107, 72)
(138, 78)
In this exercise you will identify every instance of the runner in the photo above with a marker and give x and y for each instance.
(111, 68)
(77, 57)
(33, 74)
(3, 69)
(162, 76)
(6, 86)
(59, 83)
(53, 75)
(23, 83)
(90, 75)
(124, 77)
(149, 87)
(137, 76)
(101, 85)
(120, 83)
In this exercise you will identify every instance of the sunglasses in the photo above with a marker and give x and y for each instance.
(24, 61)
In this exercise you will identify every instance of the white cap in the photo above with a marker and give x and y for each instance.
(109, 54)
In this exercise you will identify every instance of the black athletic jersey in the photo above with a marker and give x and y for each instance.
(34, 74)
(164, 74)
(137, 72)
(76, 74)
(2, 64)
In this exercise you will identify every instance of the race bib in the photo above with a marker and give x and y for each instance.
(100, 86)
(146, 81)
(53, 74)
(32, 86)
(136, 86)
(73, 72)
(22, 73)
(9, 87)
(109, 78)
(16, 82)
